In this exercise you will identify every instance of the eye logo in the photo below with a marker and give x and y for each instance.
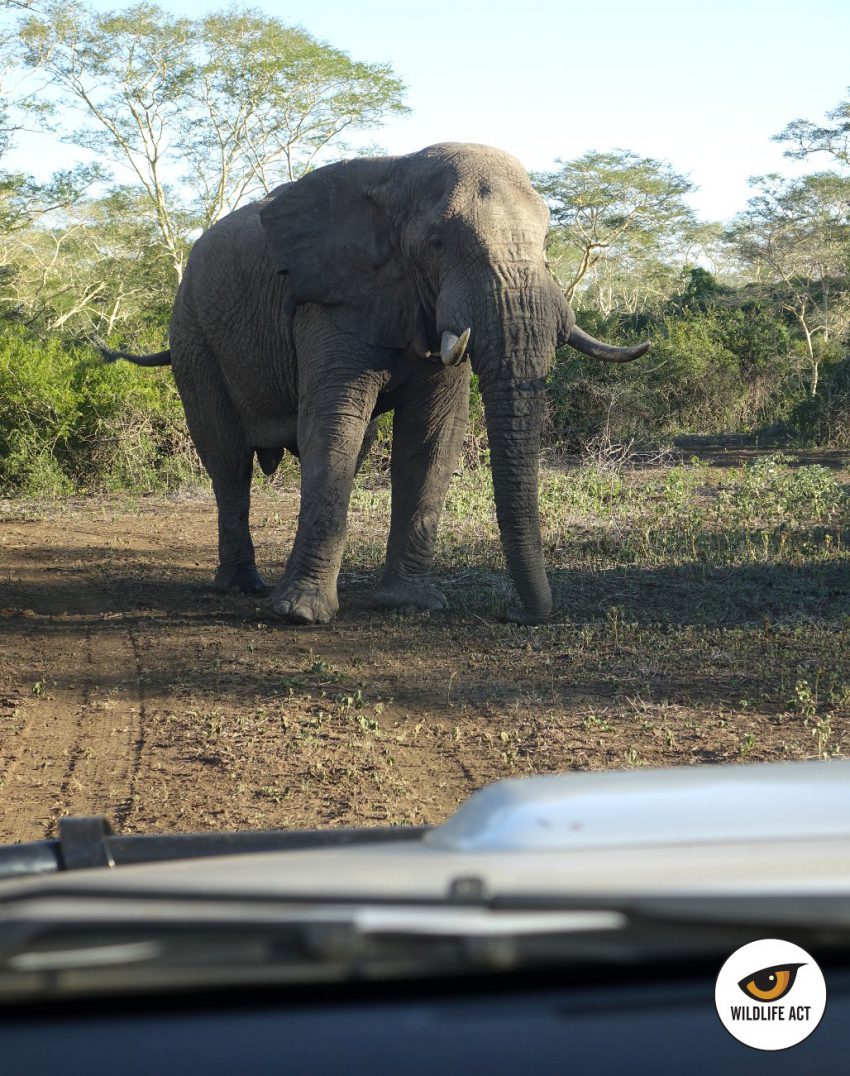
(770, 984)
(770, 994)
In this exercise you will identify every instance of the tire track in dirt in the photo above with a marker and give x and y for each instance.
(79, 749)
(41, 752)
(77, 745)
(105, 759)
(136, 749)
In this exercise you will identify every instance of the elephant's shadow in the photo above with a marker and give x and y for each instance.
(694, 594)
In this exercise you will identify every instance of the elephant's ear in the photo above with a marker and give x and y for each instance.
(332, 232)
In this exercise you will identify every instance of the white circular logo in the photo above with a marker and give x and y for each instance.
(770, 994)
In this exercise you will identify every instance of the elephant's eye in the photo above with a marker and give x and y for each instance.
(436, 243)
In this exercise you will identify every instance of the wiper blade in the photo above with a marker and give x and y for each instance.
(141, 945)
(63, 946)
(88, 842)
(803, 910)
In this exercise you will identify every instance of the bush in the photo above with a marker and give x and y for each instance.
(689, 381)
(715, 367)
(68, 422)
(825, 420)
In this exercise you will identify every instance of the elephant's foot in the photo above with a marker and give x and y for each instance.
(242, 580)
(410, 596)
(515, 614)
(303, 603)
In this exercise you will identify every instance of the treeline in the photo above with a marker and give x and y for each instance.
(749, 319)
(724, 360)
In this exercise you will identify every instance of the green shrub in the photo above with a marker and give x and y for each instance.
(721, 365)
(69, 422)
(689, 381)
(825, 420)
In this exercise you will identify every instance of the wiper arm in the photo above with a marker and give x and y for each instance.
(148, 943)
(273, 943)
(803, 910)
(87, 842)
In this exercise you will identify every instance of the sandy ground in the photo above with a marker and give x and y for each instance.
(128, 688)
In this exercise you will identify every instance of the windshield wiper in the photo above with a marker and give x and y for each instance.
(88, 842)
(101, 942)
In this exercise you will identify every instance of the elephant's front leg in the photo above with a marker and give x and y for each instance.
(331, 428)
(428, 430)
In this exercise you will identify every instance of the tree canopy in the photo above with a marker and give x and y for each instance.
(610, 209)
(205, 113)
(806, 138)
(795, 237)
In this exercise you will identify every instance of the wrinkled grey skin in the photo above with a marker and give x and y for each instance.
(304, 316)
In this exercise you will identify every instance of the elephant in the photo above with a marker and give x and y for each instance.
(370, 285)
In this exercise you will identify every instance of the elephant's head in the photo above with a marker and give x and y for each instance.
(441, 252)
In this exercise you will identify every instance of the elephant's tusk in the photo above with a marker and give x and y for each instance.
(453, 348)
(588, 345)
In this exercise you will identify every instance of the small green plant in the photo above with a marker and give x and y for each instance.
(324, 672)
(747, 743)
(274, 793)
(822, 732)
(592, 723)
(805, 700)
(352, 702)
(615, 620)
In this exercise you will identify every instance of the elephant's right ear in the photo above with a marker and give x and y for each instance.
(332, 232)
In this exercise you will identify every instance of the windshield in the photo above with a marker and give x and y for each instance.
(420, 551)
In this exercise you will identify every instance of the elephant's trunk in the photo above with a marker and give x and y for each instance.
(512, 344)
(514, 411)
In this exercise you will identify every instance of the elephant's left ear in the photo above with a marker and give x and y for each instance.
(332, 232)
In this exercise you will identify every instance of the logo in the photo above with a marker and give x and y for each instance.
(770, 994)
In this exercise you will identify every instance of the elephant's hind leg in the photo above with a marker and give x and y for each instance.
(218, 436)
(237, 569)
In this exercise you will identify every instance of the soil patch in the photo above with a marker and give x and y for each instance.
(128, 688)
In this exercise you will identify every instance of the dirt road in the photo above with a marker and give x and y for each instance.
(129, 688)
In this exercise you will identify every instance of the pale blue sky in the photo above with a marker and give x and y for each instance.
(701, 85)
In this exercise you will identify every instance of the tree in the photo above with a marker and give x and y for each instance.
(807, 138)
(206, 112)
(23, 200)
(91, 269)
(613, 211)
(795, 237)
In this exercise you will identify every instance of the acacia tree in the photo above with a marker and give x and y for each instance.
(795, 237)
(609, 210)
(204, 112)
(91, 269)
(807, 138)
(23, 200)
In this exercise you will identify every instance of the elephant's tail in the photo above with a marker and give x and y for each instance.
(159, 358)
